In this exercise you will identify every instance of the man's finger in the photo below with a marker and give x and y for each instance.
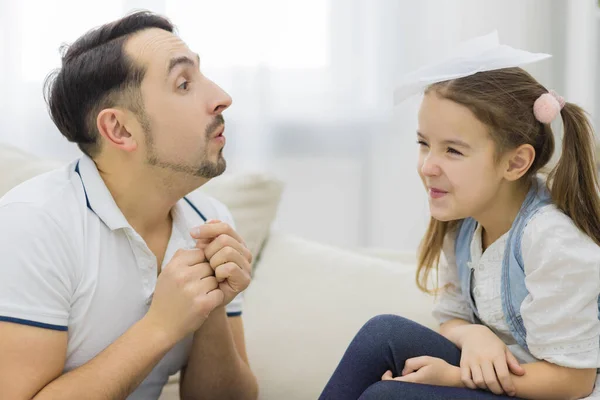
(235, 286)
(223, 241)
(202, 243)
(190, 256)
(213, 230)
(234, 275)
(226, 271)
(201, 270)
(227, 255)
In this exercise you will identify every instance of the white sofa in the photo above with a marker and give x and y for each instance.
(306, 301)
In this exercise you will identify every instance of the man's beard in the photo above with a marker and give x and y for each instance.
(205, 168)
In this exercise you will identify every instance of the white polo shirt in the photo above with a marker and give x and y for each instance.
(70, 261)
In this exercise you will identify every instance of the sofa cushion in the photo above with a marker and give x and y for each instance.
(17, 166)
(308, 300)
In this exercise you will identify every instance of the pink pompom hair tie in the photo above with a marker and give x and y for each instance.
(547, 107)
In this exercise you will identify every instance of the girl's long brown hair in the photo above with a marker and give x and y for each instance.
(503, 101)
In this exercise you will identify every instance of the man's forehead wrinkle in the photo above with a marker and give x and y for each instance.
(152, 44)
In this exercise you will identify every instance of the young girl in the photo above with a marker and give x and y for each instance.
(518, 292)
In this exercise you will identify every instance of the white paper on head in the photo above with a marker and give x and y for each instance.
(483, 53)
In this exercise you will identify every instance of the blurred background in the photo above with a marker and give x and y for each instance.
(312, 84)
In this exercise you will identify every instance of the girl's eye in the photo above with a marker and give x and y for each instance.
(421, 143)
(184, 85)
(453, 151)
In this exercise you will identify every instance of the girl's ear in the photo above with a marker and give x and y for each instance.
(517, 162)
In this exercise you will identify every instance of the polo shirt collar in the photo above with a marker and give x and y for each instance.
(98, 197)
(101, 202)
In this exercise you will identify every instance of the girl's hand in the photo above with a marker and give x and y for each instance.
(427, 370)
(485, 361)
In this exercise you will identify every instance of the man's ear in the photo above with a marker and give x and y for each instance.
(111, 123)
(518, 162)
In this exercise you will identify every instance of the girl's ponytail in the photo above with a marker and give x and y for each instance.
(574, 180)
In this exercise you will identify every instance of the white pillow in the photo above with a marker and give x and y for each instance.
(17, 166)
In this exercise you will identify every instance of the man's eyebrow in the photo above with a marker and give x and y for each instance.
(174, 62)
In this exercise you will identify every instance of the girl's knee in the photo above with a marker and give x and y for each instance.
(390, 325)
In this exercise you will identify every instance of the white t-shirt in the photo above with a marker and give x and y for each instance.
(72, 262)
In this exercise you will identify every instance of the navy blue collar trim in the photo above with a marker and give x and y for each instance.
(87, 200)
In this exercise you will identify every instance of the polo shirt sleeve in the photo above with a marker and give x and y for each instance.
(36, 285)
(234, 309)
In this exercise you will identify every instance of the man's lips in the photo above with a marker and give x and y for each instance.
(219, 131)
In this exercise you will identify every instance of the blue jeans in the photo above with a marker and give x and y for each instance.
(385, 343)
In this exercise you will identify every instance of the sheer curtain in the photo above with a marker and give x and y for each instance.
(311, 82)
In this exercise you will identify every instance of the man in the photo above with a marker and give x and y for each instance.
(110, 281)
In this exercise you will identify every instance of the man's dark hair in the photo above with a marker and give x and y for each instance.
(96, 73)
